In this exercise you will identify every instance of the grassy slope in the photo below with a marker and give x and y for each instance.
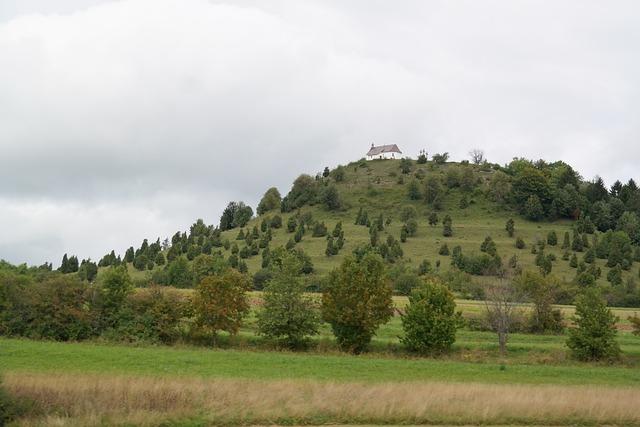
(37, 356)
(376, 188)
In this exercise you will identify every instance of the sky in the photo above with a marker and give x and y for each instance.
(128, 119)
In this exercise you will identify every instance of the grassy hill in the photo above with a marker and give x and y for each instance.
(379, 187)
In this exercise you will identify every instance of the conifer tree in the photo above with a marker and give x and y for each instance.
(594, 337)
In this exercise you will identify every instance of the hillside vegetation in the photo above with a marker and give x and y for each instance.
(523, 216)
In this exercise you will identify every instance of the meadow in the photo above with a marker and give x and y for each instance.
(105, 384)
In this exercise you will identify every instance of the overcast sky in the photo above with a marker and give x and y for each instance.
(127, 119)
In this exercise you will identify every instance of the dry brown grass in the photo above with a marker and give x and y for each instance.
(95, 399)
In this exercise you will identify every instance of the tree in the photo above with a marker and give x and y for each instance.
(433, 219)
(356, 300)
(287, 314)
(541, 291)
(115, 286)
(319, 229)
(405, 165)
(242, 216)
(220, 302)
(444, 250)
(331, 198)
(552, 238)
(207, 265)
(236, 214)
(594, 337)
(413, 190)
(500, 187)
(520, 243)
(422, 157)
(160, 259)
(304, 191)
(531, 182)
(533, 209)
(178, 273)
(510, 227)
(412, 227)
(433, 191)
(489, 246)
(338, 173)
(88, 270)
(447, 230)
(270, 200)
(430, 320)
(501, 310)
(129, 254)
(477, 156)
(573, 263)
(440, 158)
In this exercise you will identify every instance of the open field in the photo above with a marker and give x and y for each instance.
(50, 357)
(100, 399)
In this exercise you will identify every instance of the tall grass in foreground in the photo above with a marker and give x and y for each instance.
(96, 399)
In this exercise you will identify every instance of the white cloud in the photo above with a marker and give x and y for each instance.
(110, 109)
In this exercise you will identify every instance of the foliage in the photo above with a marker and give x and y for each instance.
(330, 198)
(430, 320)
(440, 158)
(356, 300)
(541, 291)
(405, 165)
(489, 246)
(57, 308)
(305, 190)
(510, 227)
(405, 282)
(150, 315)
(115, 286)
(501, 309)
(236, 214)
(408, 212)
(447, 230)
(88, 270)
(593, 338)
(270, 200)
(319, 230)
(533, 209)
(287, 314)
(433, 191)
(635, 323)
(220, 302)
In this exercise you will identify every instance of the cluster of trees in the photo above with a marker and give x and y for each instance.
(311, 191)
(614, 247)
(63, 307)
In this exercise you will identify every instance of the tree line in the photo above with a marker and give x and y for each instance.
(356, 299)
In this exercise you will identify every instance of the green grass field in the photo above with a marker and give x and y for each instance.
(38, 356)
